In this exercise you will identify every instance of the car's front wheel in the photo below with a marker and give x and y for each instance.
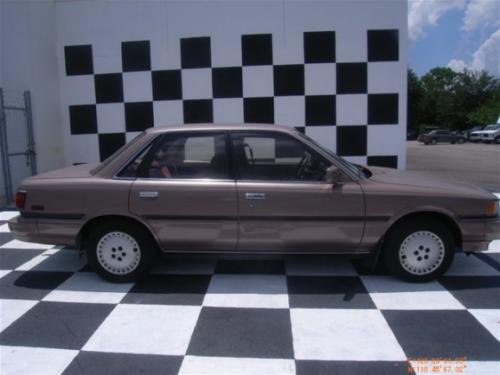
(419, 249)
(120, 251)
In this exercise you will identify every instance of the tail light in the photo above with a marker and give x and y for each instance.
(20, 199)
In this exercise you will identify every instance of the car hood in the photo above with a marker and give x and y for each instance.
(420, 181)
(77, 171)
(489, 131)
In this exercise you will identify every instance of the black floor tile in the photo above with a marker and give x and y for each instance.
(232, 332)
(56, 325)
(31, 284)
(248, 266)
(12, 258)
(443, 334)
(169, 290)
(351, 367)
(5, 237)
(474, 292)
(328, 292)
(92, 363)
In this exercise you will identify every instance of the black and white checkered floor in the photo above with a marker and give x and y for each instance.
(199, 315)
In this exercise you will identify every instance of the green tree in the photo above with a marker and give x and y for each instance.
(415, 97)
(488, 113)
(452, 100)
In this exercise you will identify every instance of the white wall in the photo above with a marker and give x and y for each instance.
(105, 25)
(28, 62)
(34, 34)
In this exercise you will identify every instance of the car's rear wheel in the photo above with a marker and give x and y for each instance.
(120, 251)
(434, 141)
(419, 249)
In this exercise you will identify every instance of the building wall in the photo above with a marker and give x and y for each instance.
(28, 61)
(334, 69)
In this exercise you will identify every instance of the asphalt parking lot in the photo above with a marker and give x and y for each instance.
(476, 163)
(295, 315)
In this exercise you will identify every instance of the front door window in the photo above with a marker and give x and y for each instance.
(269, 156)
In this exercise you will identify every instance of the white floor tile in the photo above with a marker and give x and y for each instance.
(490, 319)
(389, 293)
(87, 287)
(245, 366)
(16, 244)
(52, 250)
(464, 265)
(13, 309)
(319, 267)
(264, 291)
(26, 360)
(343, 334)
(33, 262)
(494, 247)
(185, 266)
(457, 367)
(4, 228)
(7, 215)
(146, 329)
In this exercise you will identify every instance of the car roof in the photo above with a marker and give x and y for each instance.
(215, 126)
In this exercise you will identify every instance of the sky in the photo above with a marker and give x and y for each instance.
(460, 34)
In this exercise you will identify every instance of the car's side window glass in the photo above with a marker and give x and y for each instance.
(276, 157)
(183, 156)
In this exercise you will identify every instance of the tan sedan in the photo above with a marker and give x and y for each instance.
(250, 189)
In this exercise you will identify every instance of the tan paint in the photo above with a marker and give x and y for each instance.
(294, 217)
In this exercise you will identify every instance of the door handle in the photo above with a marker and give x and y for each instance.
(148, 194)
(255, 196)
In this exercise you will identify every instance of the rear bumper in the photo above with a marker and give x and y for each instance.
(46, 231)
(478, 233)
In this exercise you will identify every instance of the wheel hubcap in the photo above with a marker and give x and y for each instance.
(118, 253)
(421, 253)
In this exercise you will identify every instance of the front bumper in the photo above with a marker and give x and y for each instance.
(478, 233)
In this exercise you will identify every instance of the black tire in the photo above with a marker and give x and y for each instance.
(497, 140)
(424, 231)
(426, 143)
(453, 142)
(434, 141)
(140, 258)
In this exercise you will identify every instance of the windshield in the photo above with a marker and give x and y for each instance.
(356, 169)
(492, 127)
(110, 158)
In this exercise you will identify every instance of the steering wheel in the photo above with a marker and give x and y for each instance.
(301, 168)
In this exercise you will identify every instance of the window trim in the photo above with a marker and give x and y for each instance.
(159, 137)
(283, 134)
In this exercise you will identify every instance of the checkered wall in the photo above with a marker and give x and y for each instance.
(346, 105)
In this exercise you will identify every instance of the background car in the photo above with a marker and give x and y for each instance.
(436, 136)
(490, 134)
(471, 134)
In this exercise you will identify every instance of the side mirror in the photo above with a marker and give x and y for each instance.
(333, 175)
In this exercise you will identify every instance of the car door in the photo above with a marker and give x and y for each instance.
(284, 203)
(184, 191)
